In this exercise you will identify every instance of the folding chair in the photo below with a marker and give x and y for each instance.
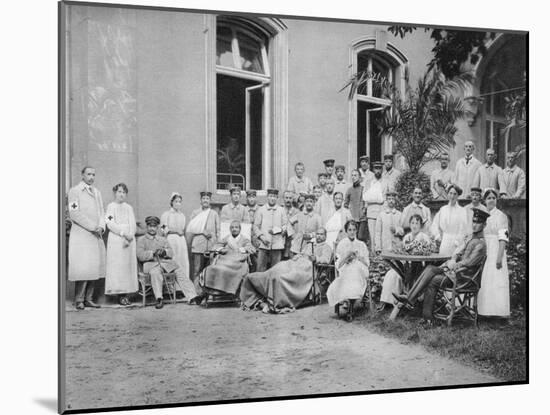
(170, 282)
(457, 299)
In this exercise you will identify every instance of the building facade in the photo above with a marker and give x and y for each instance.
(181, 101)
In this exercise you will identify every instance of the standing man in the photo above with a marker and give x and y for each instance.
(269, 225)
(441, 178)
(290, 212)
(234, 210)
(390, 174)
(329, 168)
(514, 178)
(374, 199)
(204, 231)
(299, 184)
(252, 208)
(340, 184)
(489, 174)
(86, 246)
(388, 227)
(325, 205)
(475, 195)
(364, 170)
(466, 168)
(354, 202)
(416, 207)
(306, 223)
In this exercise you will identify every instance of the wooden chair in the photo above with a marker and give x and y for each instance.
(170, 283)
(457, 299)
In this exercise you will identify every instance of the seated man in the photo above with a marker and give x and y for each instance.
(153, 246)
(231, 265)
(286, 285)
(467, 258)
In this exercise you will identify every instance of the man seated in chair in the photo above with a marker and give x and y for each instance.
(231, 264)
(286, 285)
(154, 252)
(464, 262)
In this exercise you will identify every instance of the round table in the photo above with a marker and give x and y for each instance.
(398, 261)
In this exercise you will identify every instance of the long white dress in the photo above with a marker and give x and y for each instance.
(121, 264)
(174, 221)
(451, 226)
(352, 277)
(494, 295)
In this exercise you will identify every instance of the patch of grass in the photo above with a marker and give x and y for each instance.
(498, 347)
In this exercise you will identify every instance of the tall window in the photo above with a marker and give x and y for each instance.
(372, 99)
(242, 104)
(504, 75)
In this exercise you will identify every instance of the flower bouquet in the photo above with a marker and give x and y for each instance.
(417, 247)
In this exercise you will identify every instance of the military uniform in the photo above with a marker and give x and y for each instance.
(147, 245)
(269, 224)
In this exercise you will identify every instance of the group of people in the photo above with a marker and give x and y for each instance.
(268, 253)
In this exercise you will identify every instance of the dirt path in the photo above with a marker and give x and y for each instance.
(187, 354)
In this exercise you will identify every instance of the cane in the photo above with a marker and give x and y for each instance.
(313, 290)
(172, 298)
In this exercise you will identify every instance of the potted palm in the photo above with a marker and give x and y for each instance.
(421, 122)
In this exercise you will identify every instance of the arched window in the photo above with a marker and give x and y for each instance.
(384, 63)
(247, 95)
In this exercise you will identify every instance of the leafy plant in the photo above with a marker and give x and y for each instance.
(406, 183)
(422, 124)
(452, 47)
(517, 270)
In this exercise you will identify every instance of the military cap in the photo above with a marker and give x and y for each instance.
(205, 193)
(152, 220)
(235, 189)
(480, 215)
(309, 196)
(377, 164)
(388, 157)
(475, 189)
(366, 158)
(329, 162)
(340, 167)
(273, 192)
(251, 192)
(456, 187)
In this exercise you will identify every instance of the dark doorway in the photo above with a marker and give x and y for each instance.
(368, 117)
(239, 130)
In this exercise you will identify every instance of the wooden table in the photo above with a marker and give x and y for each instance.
(398, 261)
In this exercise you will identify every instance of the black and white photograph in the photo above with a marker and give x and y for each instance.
(257, 206)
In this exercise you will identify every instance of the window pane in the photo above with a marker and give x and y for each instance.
(251, 53)
(224, 54)
(380, 72)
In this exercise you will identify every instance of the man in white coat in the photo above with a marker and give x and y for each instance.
(466, 168)
(86, 246)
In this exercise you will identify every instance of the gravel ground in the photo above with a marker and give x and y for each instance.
(182, 353)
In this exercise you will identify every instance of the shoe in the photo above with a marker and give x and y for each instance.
(196, 300)
(400, 298)
(381, 307)
(90, 303)
(159, 304)
(80, 306)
